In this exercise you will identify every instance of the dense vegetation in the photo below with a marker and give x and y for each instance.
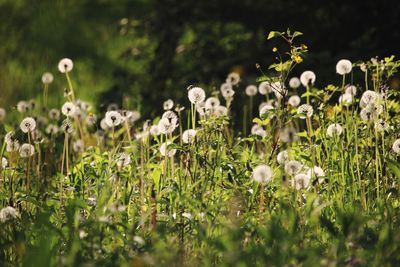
(310, 179)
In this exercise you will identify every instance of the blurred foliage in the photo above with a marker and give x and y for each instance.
(152, 50)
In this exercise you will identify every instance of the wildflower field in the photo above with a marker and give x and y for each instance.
(294, 175)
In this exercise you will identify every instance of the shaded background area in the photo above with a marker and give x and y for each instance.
(151, 50)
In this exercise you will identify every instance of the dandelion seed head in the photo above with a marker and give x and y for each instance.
(47, 78)
(228, 94)
(123, 160)
(8, 214)
(381, 125)
(264, 88)
(351, 89)
(54, 114)
(68, 109)
(305, 110)
(196, 95)
(233, 78)
(279, 89)
(113, 118)
(288, 135)
(294, 83)
(265, 109)
(78, 146)
(22, 106)
(4, 163)
(12, 146)
(154, 130)
(165, 126)
(262, 174)
(334, 129)
(300, 181)
(52, 129)
(65, 65)
(282, 157)
(363, 67)
(28, 125)
(294, 100)
(396, 146)
(188, 136)
(225, 86)
(293, 167)
(346, 99)
(168, 104)
(251, 90)
(221, 111)
(307, 78)
(166, 151)
(258, 130)
(66, 126)
(26, 150)
(316, 172)
(211, 103)
(343, 67)
(369, 98)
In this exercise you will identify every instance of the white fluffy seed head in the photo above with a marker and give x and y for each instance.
(68, 109)
(293, 167)
(294, 83)
(196, 95)
(346, 99)
(300, 181)
(166, 151)
(22, 106)
(28, 125)
(334, 129)
(113, 118)
(282, 157)
(262, 174)
(123, 160)
(381, 125)
(212, 103)
(306, 111)
(4, 163)
(258, 130)
(369, 98)
(264, 88)
(233, 78)
(396, 146)
(78, 146)
(47, 78)
(265, 109)
(294, 100)
(65, 65)
(251, 90)
(188, 136)
(307, 78)
(343, 67)
(8, 214)
(26, 150)
(166, 126)
(168, 104)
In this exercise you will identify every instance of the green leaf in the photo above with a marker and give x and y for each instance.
(295, 34)
(273, 34)
(393, 166)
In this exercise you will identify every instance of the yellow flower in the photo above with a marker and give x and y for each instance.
(274, 49)
(297, 59)
(304, 46)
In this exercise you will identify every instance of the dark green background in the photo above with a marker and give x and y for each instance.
(166, 45)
